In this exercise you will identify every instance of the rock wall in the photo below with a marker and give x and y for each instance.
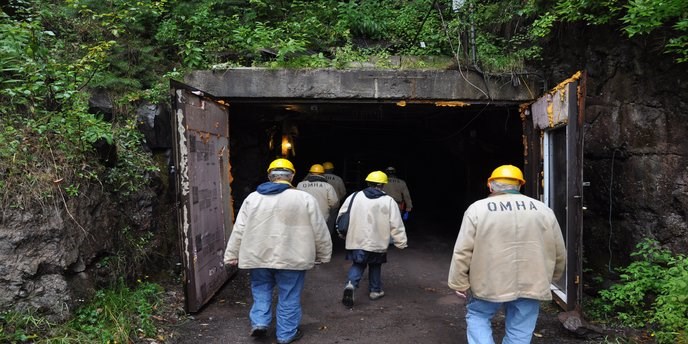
(636, 151)
(53, 256)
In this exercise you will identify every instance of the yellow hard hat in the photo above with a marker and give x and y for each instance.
(507, 174)
(281, 163)
(317, 168)
(377, 177)
(328, 165)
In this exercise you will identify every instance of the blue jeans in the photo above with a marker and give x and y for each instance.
(374, 275)
(520, 318)
(289, 286)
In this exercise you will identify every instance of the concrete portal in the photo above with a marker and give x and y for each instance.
(372, 85)
(444, 130)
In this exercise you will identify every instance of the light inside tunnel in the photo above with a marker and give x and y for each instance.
(286, 147)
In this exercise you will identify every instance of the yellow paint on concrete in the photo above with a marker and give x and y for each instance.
(452, 103)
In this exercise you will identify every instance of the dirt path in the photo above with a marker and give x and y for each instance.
(418, 306)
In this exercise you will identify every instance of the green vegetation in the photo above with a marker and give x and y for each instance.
(48, 136)
(53, 55)
(652, 294)
(115, 315)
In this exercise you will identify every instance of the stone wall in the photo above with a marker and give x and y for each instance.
(54, 255)
(636, 151)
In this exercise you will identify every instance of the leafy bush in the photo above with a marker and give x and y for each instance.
(47, 133)
(653, 292)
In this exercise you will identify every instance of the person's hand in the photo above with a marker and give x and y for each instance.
(461, 294)
(232, 262)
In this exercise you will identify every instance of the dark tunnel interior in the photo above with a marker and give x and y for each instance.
(444, 153)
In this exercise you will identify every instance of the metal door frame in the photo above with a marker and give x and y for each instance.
(537, 121)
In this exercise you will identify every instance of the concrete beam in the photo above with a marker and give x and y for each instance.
(378, 85)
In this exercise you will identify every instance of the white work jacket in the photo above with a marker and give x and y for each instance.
(323, 193)
(509, 246)
(280, 231)
(372, 222)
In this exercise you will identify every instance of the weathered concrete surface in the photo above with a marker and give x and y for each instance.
(393, 85)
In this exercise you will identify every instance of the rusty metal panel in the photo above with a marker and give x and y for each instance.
(554, 108)
(201, 131)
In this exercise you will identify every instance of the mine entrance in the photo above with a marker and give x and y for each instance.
(445, 154)
(445, 148)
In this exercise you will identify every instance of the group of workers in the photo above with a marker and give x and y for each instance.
(508, 250)
(329, 190)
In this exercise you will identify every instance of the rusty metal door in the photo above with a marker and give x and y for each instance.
(201, 152)
(553, 131)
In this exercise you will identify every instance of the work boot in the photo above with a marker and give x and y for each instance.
(374, 295)
(348, 298)
(297, 336)
(259, 331)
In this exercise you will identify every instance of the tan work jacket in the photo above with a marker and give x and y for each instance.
(509, 246)
(281, 231)
(372, 222)
(398, 189)
(338, 184)
(323, 193)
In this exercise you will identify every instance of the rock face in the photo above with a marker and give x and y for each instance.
(53, 257)
(636, 151)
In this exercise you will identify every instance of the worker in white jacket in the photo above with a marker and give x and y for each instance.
(317, 186)
(279, 233)
(509, 250)
(374, 217)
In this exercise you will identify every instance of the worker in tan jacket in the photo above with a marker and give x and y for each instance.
(336, 181)
(509, 250)
(374, 218)
(397, 188)
(279, 233)
(317, 186)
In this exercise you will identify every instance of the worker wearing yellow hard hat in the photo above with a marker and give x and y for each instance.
(373, 217)
(317, 186)
(508, 252)
(278, 235)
